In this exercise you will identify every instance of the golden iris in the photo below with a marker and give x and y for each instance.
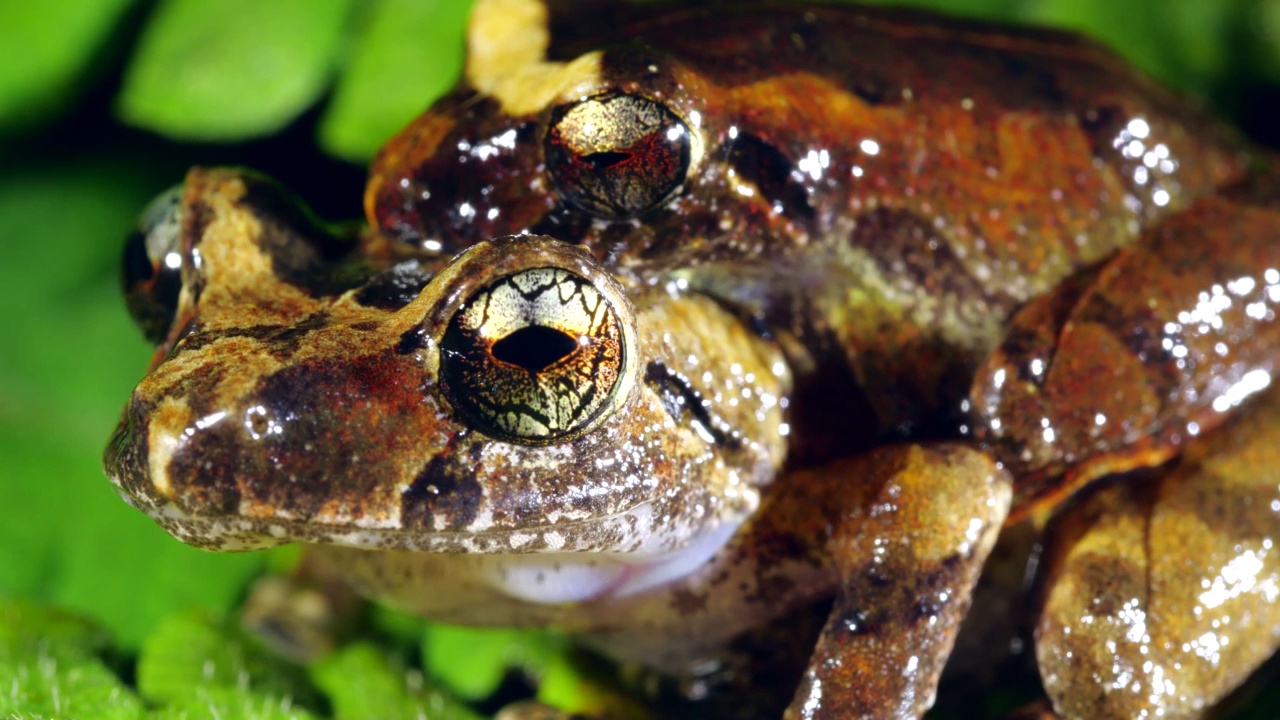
(534, 356)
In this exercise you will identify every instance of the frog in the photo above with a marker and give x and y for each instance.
(673, 321)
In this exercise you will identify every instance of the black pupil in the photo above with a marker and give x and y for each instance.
(534, 348)
(605, 160)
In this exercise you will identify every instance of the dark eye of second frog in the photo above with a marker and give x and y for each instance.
(152, 265)
(617, 155)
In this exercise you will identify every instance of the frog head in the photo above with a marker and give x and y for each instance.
(644, 144)
(517, 398)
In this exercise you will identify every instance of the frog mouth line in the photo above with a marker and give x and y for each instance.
(629, 534)
(581, 577)
(501, 560)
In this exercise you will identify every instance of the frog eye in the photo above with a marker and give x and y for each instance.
(153, 263)
(617, 155)
(534, 356)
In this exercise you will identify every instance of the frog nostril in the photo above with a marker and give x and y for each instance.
(534, 347)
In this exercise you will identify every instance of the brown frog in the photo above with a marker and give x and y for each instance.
(673, 320)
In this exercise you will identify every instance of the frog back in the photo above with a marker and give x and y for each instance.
(879, 188)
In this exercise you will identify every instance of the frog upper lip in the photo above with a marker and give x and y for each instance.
(627, 532)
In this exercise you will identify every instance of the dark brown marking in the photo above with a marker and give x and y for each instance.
(434, 198)
(1022, 342)
(412, 341)
(312, 436)
(1145, 333)
(772, 590)
(871, 90)
(444, 488)
(856, 622)
(767, 167)
(1032, 76)
(905, 244)
(1101, 124)
(395, 287)
(196, 219)
(687, 602)
(203, 472)
(282, 340)
(776, 548)
(678, 396)
(199, 389)
(876, 578)
(285, 341)
(304, 252)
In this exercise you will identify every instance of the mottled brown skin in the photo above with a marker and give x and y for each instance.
(1167, 327)
(875, 276)
(980, 195)
(1164, 591)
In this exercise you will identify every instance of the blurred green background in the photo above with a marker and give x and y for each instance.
(104, 103)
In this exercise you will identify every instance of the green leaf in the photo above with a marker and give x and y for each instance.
(406, 54)
(62, 683)
(362, 685)
(971, 8)
(1131, 28)
(222, 703)
(1194, 39)
(233, 69)
(1267, 28)
(47, 48)
(400, 626)
(25, 625)
(192, 651)
(69, 358)
(48, 667)
(472, 662)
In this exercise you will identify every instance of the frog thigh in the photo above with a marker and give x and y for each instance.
(1162, 594)
(907, 554)
(1109, 371)
(304, 614)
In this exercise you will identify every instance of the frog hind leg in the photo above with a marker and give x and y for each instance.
(1124, 362)
(908, 552)
(1161, 596)
(303, 614)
